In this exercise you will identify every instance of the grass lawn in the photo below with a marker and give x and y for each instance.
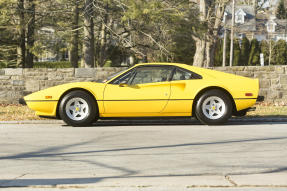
(18, 112)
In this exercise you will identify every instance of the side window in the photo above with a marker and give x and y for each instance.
(123, 79)
(152, 74)
(181, 74)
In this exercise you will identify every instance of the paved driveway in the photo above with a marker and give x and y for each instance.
(143, 156)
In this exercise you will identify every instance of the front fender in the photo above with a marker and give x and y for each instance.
(45, 102)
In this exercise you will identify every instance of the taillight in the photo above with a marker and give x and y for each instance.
(249, 94)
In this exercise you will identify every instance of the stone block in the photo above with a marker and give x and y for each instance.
(32, 85)
(245, 73)
(264, 84)
(51, 69)
(272, 95)
(283, 79)
(66, 70)
(18, 83)
(259, 75)
(3, 94)
(5, 77)
(84, 72)
(279, 70)
(13, 72)
(2, 72)
(55, 76)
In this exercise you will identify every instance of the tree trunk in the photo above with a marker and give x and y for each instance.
(21, 50)
(30, 34)
(198, 59)
(210, 53)
(103, 40)
(74, 52)
(89, 39)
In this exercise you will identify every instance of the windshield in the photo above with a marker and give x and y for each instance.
(113, 75)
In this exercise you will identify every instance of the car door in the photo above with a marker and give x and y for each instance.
(184, 84)
(144, 91)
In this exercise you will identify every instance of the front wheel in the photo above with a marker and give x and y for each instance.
(78, 108)
(214, 107)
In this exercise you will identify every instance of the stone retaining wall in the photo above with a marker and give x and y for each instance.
(15, 83)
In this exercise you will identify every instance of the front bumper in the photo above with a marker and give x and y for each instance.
(260, 99)
(22, 101)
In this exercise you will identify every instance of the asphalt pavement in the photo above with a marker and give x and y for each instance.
(144, 155)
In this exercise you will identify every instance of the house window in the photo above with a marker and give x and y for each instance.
(239, 19)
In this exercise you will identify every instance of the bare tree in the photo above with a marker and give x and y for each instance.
(211, 14)
(89, 38)
(30, 33)
(74, 58)
(21, 30)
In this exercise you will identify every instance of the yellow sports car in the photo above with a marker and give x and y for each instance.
(150, 90)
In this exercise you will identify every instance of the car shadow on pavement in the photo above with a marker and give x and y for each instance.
(186, 122)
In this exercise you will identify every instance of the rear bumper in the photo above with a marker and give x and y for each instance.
(260, 99)
(22, 101)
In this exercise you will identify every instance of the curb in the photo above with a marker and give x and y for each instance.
(139, 121)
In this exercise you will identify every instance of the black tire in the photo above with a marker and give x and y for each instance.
(90, 110)
(224, 115)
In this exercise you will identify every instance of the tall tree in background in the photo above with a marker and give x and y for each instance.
(21, 50)
(281, 10)
(89, 38)
(280, 53)
(254, 56)
(264, 49)
(30, 33)
(237, 51)
(74, 52)
(211, 14)
(218, 53)
(245, 51)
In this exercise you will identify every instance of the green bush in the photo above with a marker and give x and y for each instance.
(2, 65)
(8, 65)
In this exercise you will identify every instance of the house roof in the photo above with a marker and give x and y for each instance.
(249, 24)
(240, 11)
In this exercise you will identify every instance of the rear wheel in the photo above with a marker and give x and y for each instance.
(214, 107)
(78, 108)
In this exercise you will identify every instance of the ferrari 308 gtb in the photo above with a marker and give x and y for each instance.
(150, 90)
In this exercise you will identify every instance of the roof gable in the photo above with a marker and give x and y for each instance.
(240, 12)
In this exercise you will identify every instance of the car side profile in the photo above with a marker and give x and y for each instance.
(150, 90)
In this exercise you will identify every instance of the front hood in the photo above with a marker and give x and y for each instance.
(55, 93)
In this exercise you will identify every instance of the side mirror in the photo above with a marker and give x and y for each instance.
(123, 85)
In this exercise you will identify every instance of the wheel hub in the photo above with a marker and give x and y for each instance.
(213, 107)
(77, 109)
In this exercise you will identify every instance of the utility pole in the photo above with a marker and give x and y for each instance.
(270, 50)
(232, 33)
(224, 48)
(224, 43)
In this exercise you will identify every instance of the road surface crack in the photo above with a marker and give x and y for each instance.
(228, 178)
